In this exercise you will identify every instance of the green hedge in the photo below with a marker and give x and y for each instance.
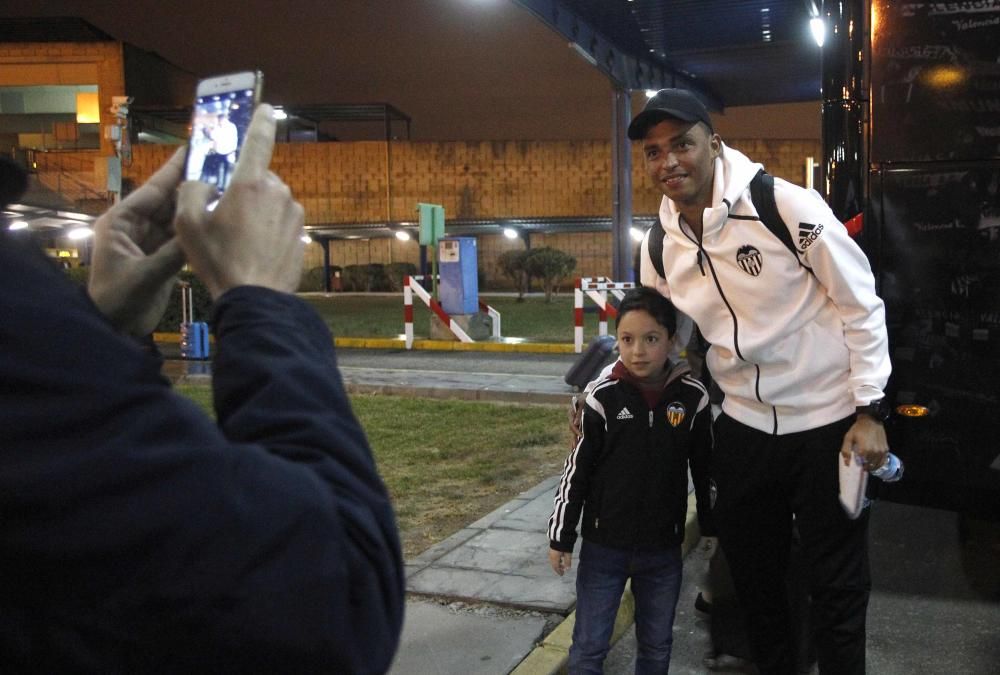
(78, 275)
(171, 321)
(312, 279)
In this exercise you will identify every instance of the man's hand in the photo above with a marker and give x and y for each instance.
(135, 254)
(560, 561)
(253, 237)
(867, 438)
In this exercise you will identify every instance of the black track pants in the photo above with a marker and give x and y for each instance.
(762, 481)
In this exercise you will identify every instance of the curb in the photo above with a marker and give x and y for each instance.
(552, 653)
(513, 345)
(491, 395)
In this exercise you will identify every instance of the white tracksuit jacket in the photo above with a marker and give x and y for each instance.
(796, 344)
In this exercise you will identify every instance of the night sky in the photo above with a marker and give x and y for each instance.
(461, 69)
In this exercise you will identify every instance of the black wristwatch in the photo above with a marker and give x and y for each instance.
(878, 410)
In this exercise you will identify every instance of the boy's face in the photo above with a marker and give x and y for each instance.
(644, 345)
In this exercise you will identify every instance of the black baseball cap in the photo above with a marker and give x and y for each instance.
(677, 103)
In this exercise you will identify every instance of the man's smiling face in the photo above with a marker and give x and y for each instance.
(680, 159)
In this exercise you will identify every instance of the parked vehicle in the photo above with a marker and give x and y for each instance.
(932, 232)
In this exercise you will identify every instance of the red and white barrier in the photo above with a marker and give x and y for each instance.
(596, 288)
(411, 285)
(493, 314)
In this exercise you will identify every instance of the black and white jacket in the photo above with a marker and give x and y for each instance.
(797, 341)
(628, 472)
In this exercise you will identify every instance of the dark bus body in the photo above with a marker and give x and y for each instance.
(932, 233)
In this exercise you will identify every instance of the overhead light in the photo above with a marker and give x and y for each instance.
(636, 233)
(80, 233)
(402, 235)
(74, 216)
(765, 24)
(17, 225)
(818, 29)
(280, 114)
(510, 233)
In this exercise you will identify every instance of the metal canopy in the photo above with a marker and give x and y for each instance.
(152, 117)
(730, 52)
(471, 226)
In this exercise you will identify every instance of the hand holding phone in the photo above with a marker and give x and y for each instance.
(223, 108)
(253, 237)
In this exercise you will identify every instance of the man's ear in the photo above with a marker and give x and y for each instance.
(715, 143)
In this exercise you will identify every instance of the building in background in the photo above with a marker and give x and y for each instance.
(59, 79)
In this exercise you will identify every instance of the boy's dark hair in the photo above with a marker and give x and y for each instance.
(651, 302)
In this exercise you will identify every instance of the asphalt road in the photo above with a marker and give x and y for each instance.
(458, 361)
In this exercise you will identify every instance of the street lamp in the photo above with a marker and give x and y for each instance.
(78, 233)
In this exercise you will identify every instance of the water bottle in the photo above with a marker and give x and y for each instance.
(890, 471)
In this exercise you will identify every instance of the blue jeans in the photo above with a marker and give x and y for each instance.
(600, 582)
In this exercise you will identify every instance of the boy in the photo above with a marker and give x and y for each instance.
(642, 424)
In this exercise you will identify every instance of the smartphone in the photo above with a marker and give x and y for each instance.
(223, 107)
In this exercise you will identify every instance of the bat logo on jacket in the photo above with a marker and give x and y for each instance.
(750, 260)
(676, 413)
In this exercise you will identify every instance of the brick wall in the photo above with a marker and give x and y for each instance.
(346, 182)
(52, 63)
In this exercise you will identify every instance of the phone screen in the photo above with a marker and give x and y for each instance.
(218, 128)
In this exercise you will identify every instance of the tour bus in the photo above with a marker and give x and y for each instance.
(923, 116)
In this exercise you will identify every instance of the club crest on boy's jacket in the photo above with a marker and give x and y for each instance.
(676, 413)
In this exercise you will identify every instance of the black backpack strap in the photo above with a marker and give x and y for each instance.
(762, 196)
(656, 247)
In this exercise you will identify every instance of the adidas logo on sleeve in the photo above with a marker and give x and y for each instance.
(808, 233)
(625, 414)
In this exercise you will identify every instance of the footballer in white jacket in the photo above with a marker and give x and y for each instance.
(796, 342)
(798, 346)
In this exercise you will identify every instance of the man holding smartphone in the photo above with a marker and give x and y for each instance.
(136, 534)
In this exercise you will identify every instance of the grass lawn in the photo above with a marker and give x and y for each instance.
(448, 463)
(381, 315)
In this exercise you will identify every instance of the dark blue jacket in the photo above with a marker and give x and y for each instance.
(138, 535)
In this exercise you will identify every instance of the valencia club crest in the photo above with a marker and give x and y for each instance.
(675, 413)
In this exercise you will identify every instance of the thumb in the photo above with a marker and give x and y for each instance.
(166, 261)
(846, 447)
